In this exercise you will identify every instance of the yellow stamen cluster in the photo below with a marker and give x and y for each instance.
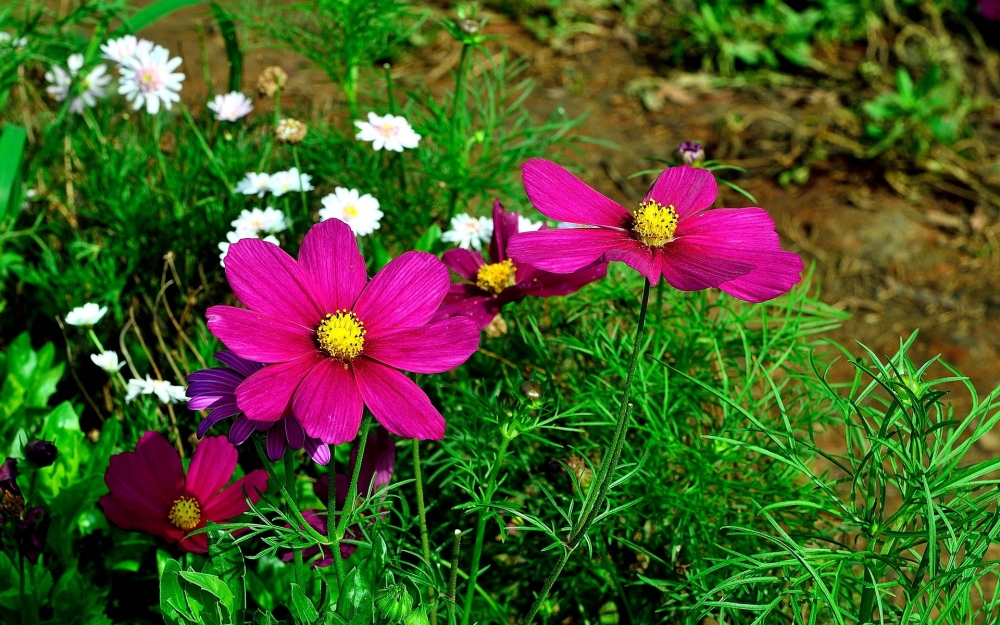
(496, 277)
(655, 223)
(185, 513)
(341, 335)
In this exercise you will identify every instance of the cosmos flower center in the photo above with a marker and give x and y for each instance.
(496, 277)
(341, 335)
(655, 223)
(185, 513)
(12, 504)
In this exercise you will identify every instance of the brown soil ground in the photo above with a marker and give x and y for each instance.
(898, 264)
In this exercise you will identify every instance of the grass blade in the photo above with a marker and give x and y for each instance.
(228, 30)
(11, 156)
(153, 12)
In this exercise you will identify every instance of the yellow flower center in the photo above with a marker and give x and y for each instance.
(341, 335)
(351, 211)
(655, 223)
(185, 514)
(387, 130)
(496, 277)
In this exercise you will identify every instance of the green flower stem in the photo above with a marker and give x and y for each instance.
(422, 515)
(458, 104)
(272, 478)
(100, 348)
(298, 168)
(599, 491)
(352, 494)
(216, 167)
(399, 156)
(477, 549)
(270, 144)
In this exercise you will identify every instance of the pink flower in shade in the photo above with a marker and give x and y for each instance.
(334, 342)
(990, 9)
(672, 233)
(151, 494)
(498, 281)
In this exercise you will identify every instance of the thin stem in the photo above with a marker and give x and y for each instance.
(399, 157)
(204, 146)
(422, 515)
(458, 103)
(331, 525)
(298, 168)
(596, 496)
(477, 549)
(867, 598)
(456, 551)
(299, 578)
(273, 479)
(352, 493)
(100, 348)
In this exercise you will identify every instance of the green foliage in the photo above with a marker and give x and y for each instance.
(29, 377)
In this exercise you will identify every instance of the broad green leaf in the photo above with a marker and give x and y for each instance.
(226, 561)
(303, 610)
(211, 584)
(428, 239)
(151, 13)
(173, 605)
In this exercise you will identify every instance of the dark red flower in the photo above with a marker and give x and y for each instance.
(497, 281)
(31, 533)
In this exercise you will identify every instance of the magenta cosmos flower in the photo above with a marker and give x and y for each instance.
(334, 342)
(671, 234)
(497, 281)
(214, 389)
(151, 494)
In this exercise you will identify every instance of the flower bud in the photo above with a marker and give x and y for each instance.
(270, 80)
(497, 327)
(290, 131)
(692, 153)
(416, 617)
(531, 390)
(394, 603)
(469, 27)
(40, 453)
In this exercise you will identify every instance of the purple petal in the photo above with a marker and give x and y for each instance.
(218, 414)
(294, 433)
(505, 225)
(465, 263)
(260, 337)
(560, 195)
(397, 402)
(565, 250)
(689, 189)
(243, 366)
(317, 450)
(330, 256)
(328, 404)
(241, 430)
(267, 280)
(405, 294)
(435, 348)
(276, 443)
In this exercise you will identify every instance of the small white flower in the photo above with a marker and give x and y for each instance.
(8, 43)
(237, 235)
(390, 132)
(87, 315)
(360, 212)
(230, 107)
(149, 79)
(269, 220)
(254, 184)
(469, 232)
(290, 181)
(125, 48)
(165, 391)
(526, 225)
(107, 360)
(92, 86)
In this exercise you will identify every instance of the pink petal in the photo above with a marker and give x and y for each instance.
(689, 189)
(505, 225)
(397, 402)
(777, 271)
(565, 250)
(230, 502)
(131, 515)
(691, 267)
(405, 294)
(211, 468)
(329, 254)
(196, 544)
(328, 403)
(151, 475)
(466, 300)
(265, 395)
(259, 337)
(641, 257)
(267, 280)
(435, 348)
(560, 195)
(545, 284)
(465, 263)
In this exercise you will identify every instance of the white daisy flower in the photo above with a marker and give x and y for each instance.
(230, 107)
(269, 220)
(92, 86)
(125, 48)
(526, 225)
(165, 391)
(107, 360)
(254, 184)
(390, 132)
(87, 315)
(290, 181)
(235, 236)
(149, 79)
(8, 43)
(469, 232)
(360, 212)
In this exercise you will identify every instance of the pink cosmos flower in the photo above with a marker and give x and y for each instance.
(672, 233)
(151, 494)
(499, 281)
(334, 342)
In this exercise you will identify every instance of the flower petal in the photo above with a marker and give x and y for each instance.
(560, 195)
(241, 430)
(265, 395)
(267, 280)
(689, 189)
(690, 267)
(219, 412)
(505, 225)
(565, 250)
(243, 366)
(405, 294)
(230, 502)
(294, 433)
(259, 337)
(129, 514)
(465, 263)
(433, 348)
(397, 402)
(330, 255)
(152, 474)
(641, 257)
(275, 442)
(467, 300)
(318, 450)
(211, 468)
(546, 284)
(776, 272)
(378, 464)
(328, 404)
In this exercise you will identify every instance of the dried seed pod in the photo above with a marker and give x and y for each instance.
(270, 80)
(290, 131)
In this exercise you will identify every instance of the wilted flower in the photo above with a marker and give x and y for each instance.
(92, 86)
(254, 184)
(270, 80)
(215, 390)
(672, 234)
(254, 221)
(360, 212)
(40, 453)
(691, 153)
(150, 492)
(107, 360)
(231, 107)
(165, 391)
(289, 181)
(390, 132)
(497, 281)
(237, 235)
(149, 79)
(125, 48)
(469, 232)
(11, 500)
(337, 341)
(290, 131)
(87, 315)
